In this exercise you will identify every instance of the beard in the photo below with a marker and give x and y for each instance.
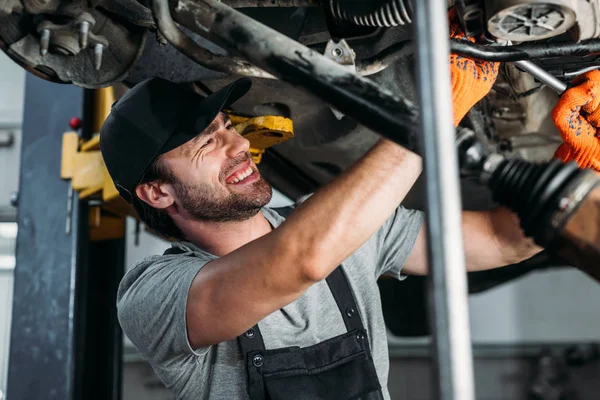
(204, 203)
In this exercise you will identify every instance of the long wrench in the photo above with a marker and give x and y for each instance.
(541, 75)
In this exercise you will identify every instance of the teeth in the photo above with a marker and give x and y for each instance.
(243, 175)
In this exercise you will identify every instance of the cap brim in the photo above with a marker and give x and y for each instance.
(202, 114)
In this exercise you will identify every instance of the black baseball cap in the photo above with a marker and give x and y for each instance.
(155, 117)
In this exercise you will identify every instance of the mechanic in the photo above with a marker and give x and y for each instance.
(248, 304)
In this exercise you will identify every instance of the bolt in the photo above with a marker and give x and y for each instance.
(564, 204)
(45, 42)
(84, 33)
(337, 52)
(98, 49)
(14, 201)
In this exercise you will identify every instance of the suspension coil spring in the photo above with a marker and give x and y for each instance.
(373, 13)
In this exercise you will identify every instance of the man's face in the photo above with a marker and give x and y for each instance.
(214, 177)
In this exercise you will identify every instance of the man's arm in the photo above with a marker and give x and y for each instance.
(491, 239)
(231, 294)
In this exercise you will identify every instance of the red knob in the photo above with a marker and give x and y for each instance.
(75, 123)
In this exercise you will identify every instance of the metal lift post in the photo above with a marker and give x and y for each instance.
(449, 313)
(65, 341)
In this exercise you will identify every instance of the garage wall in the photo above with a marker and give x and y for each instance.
(12, 88)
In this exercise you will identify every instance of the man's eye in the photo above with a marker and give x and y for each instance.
(209, 141)
(229, 127)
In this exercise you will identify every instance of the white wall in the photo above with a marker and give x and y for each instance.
(550, 306)
(12, 90)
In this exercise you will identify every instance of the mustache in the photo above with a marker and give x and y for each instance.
(232, 164)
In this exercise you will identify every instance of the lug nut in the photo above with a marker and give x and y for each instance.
(84, 33)
(98, 49)
(45, 42)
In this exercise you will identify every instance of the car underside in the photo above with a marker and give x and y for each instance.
(100, 43)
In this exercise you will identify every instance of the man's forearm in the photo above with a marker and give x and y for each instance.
(342, 215)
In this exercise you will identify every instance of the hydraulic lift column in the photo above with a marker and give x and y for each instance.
(65, 342)
(449, 314)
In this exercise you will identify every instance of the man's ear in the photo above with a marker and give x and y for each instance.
(155, 194)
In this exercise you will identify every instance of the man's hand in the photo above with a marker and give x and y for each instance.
(577, 117)
(471, 79)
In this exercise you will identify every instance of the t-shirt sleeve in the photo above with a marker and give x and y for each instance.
(151, 305)
(395, 241)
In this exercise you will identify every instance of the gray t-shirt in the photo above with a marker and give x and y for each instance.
(152, 300)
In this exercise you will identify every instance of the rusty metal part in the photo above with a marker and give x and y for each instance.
(367, 102)
(8, 7)
(341, 53)
(66, 39)
(20, 41)
(187, 46)
(131, 10)
(275, 3)
(40, 6)
(383, 59)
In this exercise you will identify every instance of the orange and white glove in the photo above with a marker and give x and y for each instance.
(580, 132)
(471, 79)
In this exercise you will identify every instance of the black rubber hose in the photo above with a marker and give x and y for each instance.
(526, 51)
(389, 55)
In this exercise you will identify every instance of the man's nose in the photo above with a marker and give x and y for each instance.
(236, 144)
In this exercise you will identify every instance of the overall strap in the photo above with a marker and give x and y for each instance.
(340, 288)
(342, 293)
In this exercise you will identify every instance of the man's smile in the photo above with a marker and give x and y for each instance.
(246, 173)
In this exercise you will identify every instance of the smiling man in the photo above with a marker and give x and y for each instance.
(247, 304)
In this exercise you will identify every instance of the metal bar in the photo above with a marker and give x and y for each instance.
(543, 76)
(185, 44)
(449, 314)
(363, 100)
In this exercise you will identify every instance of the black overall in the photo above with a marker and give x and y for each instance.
(340, 368)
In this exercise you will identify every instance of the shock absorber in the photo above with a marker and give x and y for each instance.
(383, 13)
